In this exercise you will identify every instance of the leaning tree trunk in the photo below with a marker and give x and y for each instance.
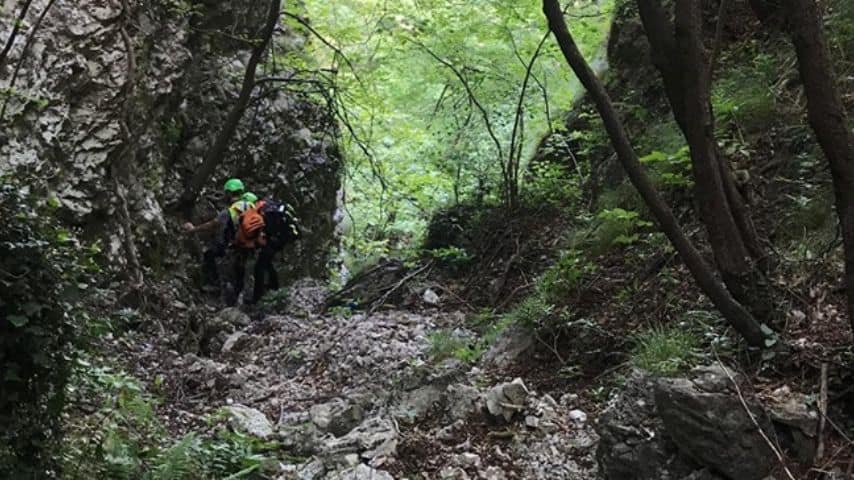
(733, 311)
(217, 151)
(828, 119)
(679, 55)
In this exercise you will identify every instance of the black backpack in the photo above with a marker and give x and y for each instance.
(279, 225)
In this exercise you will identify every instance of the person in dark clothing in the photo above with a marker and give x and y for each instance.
(224, 226)
(279, 230)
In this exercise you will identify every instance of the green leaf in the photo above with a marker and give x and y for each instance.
(18, 320)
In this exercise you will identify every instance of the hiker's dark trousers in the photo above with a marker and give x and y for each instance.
(266, 277)
(210, 258)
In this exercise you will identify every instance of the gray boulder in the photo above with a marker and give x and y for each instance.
(463, 401)
(236, 342)
(512, 343)
(632, 444)
(795, 422)
(417, 404)
(709, 424)
(507, 399)
(337, 417)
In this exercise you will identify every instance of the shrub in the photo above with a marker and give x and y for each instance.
(530, 313)
(551, 185)
(617, 227)
(743, 96)
(42, 273)
(670, 170)
(562, 279)
(124, 439)
(276, 300)
(454, 259)
(446, 344)
(665, 350)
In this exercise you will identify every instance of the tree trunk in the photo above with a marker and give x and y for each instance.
(679, 55)
(828, 119)
(219, 148)
(733, 311)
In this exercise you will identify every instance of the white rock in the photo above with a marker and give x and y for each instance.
(360, 472)
(231, 341)
(577, 416)
(249, 420)
(431, 297)
(532, 421)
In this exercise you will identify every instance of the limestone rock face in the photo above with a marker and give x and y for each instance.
(63, 127)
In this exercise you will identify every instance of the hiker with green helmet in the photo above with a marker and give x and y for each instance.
(280, 229)
(225, 228)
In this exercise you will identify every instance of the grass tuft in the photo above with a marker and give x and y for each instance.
(665, 350)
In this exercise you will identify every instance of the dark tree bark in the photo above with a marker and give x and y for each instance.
(15, 28)
(679, 55)
(216, 153)
(827, 117)
(733, 311)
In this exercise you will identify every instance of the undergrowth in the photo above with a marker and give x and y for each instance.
(114, 433)
(665, 350)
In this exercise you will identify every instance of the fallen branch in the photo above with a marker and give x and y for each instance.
(822, 408)
(378, 303)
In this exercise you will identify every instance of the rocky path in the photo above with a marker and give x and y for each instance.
(360, 397)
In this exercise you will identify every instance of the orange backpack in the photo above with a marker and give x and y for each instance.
(250, 229)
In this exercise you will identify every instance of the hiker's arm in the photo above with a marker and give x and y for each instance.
(208, 226)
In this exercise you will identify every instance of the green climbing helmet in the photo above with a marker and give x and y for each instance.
(234, 185)
(249, 197)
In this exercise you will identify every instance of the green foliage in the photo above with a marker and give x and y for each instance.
(665, 350)
(840, 22)
(43, 271)
(551, 185)
(530, 313)
(452, 258)
(742, 97)
(447, 344)
(561, 280)
(614, 227)
(124, 439)
(670, 170)
(276, 300)
(418, 143)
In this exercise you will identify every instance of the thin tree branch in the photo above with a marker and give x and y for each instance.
(469, 91)
(23, 57)
(15, 28)
(326, 42)
(126, 158)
